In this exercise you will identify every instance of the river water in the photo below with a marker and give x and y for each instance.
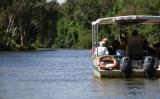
(65, 74)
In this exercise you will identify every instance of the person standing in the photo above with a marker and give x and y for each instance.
(135, 45)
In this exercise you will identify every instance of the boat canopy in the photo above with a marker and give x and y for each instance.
(141, 19)
(121, 20)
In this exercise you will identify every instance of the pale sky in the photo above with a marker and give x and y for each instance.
(60, 1)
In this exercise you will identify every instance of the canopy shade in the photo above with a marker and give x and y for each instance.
(142, 19)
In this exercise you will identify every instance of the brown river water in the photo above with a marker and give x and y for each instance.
(65, 74)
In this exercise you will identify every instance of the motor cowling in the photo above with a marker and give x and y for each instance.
(150, 65)
(125, 66)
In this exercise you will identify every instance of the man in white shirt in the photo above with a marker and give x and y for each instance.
(101, 49)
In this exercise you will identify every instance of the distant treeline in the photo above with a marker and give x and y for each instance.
(31, 24)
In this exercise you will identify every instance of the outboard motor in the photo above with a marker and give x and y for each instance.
(125, 66)
(150, 66)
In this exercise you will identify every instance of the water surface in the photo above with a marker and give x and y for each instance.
(64, 74)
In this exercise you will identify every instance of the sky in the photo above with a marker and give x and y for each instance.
(60, 1)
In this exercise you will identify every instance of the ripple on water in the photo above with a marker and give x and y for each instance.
(64, 74)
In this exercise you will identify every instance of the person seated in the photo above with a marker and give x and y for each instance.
(105, 40)
(121, 50)
(157, 48)
(101, 49)
(114, 46)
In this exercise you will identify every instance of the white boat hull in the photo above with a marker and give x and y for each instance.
(136, 73)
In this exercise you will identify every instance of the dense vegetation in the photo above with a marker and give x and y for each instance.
(30, 24)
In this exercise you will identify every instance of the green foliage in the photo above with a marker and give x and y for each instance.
(36, 23)
(23, 21)
(71, 35)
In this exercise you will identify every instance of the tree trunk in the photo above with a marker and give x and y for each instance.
(22, 43)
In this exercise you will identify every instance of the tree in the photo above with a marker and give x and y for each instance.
(24, 21)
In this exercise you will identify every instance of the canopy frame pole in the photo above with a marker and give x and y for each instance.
(96, 32)
(95, 37)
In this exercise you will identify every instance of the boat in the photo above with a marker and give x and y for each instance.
(146, 67)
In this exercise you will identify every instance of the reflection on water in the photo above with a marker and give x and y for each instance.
(127, 89)
(64, 74)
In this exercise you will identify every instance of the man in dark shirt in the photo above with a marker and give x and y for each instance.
(135, 45)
